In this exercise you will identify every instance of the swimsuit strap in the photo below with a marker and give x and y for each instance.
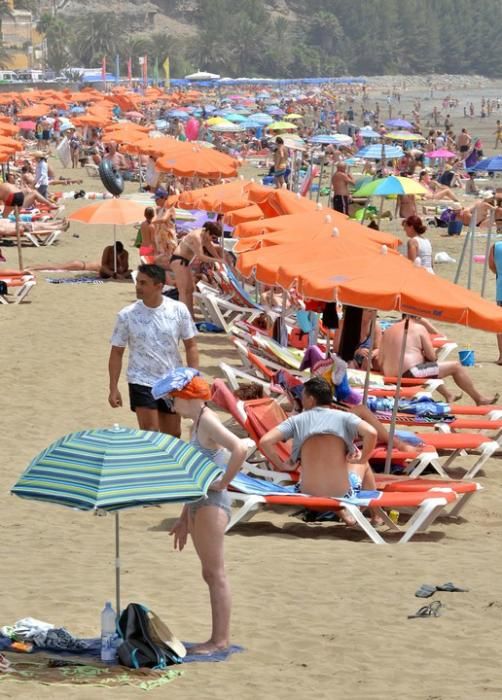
(196, 429)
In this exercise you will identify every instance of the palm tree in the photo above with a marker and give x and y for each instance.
(97, 34)
(58, 37)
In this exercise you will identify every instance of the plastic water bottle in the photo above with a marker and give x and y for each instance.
(108, 630)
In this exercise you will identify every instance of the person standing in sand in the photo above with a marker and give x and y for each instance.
(340, 183)
(280, 162)
(495, 264)
(206, 519)
(420, 361)
(152, 328)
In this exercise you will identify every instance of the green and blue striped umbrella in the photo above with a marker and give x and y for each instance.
(117, 468)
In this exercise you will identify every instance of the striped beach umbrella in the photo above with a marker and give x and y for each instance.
(117, 468)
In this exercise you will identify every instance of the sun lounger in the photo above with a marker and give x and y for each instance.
(22, 285)
(221, 312)
(254, 494)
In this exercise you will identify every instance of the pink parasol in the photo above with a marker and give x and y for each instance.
(440, 153)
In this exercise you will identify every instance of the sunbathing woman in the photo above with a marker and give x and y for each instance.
(105, 267)
(207, 518)
(200, 244)
(435, 190)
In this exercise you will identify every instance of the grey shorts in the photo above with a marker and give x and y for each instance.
(423, 370)
(220, 499)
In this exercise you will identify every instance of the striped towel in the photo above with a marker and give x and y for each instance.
(258, 487)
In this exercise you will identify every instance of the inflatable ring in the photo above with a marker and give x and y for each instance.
(111, 178)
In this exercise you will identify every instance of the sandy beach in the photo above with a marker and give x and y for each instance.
(320, 611)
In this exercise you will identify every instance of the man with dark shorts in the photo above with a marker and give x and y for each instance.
(340, 183)
(420, 361)
(152, 328)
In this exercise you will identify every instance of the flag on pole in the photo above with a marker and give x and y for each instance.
(167, 70)
(103, 69)
(129, 69)
(117, 68)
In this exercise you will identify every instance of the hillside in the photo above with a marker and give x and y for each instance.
(289, 38)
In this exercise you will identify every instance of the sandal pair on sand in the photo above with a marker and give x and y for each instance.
(433, 609)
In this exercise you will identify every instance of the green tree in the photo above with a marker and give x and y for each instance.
(59, 38)
(97, 34)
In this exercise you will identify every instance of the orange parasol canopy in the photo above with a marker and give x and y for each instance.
(299, 228)
(194, 161)
(249, 213)
(219, 198)
(393, 283)
(119, 212)
(34, 111)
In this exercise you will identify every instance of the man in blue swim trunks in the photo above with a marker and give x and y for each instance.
(323, 446)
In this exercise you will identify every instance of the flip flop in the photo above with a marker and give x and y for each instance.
(451, 588)
(425, 591)
(431, 610)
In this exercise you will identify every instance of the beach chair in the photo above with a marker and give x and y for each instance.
(258, 416)
(22, 289)
(222, 312)
(255, 494)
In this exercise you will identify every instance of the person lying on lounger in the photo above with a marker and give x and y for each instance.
(12, 197)
(323, 447)
(8, 228)
(104, 267)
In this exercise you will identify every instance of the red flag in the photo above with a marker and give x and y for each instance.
(129, 69)
(103, 69)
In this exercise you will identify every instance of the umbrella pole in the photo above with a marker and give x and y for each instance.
(380, 211)
(117, 563)
(471, 251)
(487, 251)
(18, 240)
(370, 350)
(115, 248)
(321, 173)
(392, 427)
(332, 171)
(464, 247)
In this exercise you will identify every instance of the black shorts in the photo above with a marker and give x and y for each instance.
(141, 397)
(464, 149)
(341, 203)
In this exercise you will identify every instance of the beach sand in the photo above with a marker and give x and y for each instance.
(320, 611)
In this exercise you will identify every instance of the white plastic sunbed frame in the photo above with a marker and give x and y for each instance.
(420, 521)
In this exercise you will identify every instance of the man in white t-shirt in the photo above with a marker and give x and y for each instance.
(151, 328)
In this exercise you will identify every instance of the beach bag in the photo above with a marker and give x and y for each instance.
(3, 287)
(147, 642)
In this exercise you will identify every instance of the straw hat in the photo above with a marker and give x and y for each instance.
(39, 154)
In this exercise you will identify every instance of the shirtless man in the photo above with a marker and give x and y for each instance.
(280, 162)
(463, 143)
(200, 243)
(104, 266)
(340, 183)
(323, 446)
(12, 197)
(420, 361)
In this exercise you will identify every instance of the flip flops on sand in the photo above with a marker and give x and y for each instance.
(431, 610)
(426, 590)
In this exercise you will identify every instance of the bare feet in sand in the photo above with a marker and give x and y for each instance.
(486, 401)
(206, 648)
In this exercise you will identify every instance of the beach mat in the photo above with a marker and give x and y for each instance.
(74, 280)
(35, 669)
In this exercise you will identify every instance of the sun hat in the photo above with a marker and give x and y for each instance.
(184, 383)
